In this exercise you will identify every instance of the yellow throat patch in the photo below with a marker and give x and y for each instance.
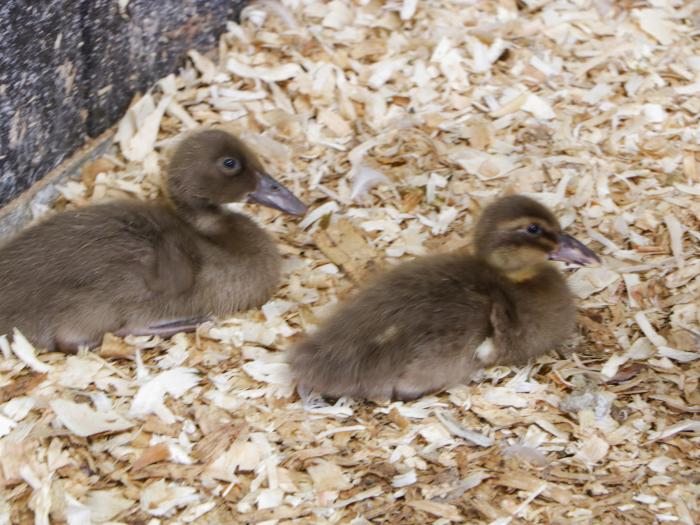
(524, 274)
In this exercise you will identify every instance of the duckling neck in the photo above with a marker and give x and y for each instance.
(517, 275)
(225, 228)
(206, 218)
(527, 273)
(512, 269)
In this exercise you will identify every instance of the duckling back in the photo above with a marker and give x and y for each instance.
(81, 271)
(418, 328)
(124, 267)
(412, 331)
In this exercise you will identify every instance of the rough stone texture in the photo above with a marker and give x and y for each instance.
(69, 68)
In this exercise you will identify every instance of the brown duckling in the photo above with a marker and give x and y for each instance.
(130, 267)
(417, 328)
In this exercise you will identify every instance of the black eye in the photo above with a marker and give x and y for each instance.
(231, 164)
(534, 229)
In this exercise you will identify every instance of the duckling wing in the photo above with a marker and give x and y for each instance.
(146, 247)
(506, 330)
(170, 267)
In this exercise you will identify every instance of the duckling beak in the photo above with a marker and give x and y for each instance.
(272, 194)
(569, 250)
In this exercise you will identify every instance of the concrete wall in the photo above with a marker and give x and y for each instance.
(69, 68)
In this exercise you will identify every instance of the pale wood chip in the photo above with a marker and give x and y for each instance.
(21, 386)
(115, 347)
(344, 244)
(214, 444)
(524, 481)
(326, 475)
(441, 510)
(154, 454)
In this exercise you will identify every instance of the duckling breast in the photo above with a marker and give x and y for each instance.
(544, 316)
(239, 272)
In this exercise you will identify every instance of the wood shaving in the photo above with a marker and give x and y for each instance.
(397, 122)
(345, 245)
(82, 421)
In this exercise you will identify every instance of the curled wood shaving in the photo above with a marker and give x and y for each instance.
(26, 352)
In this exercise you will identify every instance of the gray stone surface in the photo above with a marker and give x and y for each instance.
(69, 68)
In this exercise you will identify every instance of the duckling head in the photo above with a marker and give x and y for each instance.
(212, 167)
(518, 236)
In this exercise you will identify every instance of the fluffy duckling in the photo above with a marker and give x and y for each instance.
(420, 327)
(130, 267)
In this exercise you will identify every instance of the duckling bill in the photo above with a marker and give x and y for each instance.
(419, 328)
(129, 267)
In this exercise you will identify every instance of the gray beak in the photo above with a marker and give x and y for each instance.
(569, 250)
(272, 194)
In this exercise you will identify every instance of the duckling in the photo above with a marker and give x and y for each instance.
(131, 267)
(420, 328)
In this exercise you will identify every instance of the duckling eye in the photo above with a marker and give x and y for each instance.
(534, 229)
(231, 164)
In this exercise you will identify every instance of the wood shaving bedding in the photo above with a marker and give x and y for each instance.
(397, 121)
